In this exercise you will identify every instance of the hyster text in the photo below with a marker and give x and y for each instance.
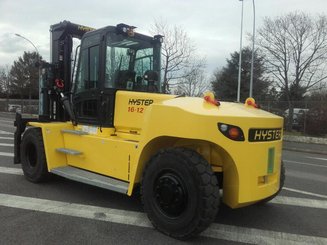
(265, 134)
(145, 102)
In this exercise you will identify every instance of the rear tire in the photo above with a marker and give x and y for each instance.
(33, 158)
(281, 185)
(180, 192)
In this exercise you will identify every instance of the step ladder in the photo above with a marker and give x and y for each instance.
(91, 178)
(71, 151)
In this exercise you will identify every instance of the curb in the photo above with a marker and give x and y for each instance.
(317, 142)
(305, 139)
(304, 150)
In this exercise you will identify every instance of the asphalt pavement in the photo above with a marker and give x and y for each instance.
(305, 147)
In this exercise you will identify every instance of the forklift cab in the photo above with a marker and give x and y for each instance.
(111, 59)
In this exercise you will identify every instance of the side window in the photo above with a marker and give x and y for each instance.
(83, 71)
(88, 70)
(94, 65)
(87, 78)
(143, 61)
(117, 60)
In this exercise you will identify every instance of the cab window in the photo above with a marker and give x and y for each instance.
(88, 72)
(127, 61)
(87, 76)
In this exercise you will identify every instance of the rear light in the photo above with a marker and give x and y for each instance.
(231, 131)
(234, 133)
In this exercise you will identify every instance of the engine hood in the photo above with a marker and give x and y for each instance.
(138, 111)
(225, 109)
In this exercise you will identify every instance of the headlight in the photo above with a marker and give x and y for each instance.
(231, 131)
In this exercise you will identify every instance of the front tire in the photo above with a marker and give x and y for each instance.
(33, 158)
(180, 192)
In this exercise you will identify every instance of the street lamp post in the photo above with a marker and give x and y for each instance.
(240, 59)
(39, 62)
(37, 51)
(253, 40)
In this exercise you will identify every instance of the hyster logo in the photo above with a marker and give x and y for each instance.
(145, 102)
(265, 134)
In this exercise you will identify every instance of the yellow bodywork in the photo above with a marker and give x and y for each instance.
(144, 123)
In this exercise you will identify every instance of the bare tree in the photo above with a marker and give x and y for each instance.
(295, 48)
(177, 49)
(195, 82)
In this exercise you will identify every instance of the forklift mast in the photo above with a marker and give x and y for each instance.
(57, 76)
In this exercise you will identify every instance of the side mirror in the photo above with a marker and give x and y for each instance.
(151, 76)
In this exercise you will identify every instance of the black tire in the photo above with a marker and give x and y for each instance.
(33, 158)
(281, 185)
(180, 192)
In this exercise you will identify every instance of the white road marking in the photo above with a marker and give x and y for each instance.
(6, 132)
(7, 121)
(217, 231)
(307, 176)
(6, 154)
(300, 202)
(5, 144)
(76, 210)
(257, 236)
(6, 138)
(318, 158)
(292, 201)
(16, 171)
(304, 163)
(7, 126)
(304, 192)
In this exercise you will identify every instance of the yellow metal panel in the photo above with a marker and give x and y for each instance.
(130, 108)
(111, 156)
(243, 162)
(53, 139)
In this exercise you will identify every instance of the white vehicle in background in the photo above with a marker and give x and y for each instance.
(14, 107)
(298, 116)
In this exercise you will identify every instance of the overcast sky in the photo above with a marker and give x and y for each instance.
(213, 25)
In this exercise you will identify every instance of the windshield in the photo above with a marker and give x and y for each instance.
(127, 61)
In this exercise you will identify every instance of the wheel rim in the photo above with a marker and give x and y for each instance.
(31, 155)
(170, 194)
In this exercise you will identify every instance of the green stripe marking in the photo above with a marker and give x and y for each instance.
(271, 158)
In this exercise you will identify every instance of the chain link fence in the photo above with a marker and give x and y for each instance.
(309, 117)
(24, 106)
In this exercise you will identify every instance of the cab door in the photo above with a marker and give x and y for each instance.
(93, 106)
(87, 89)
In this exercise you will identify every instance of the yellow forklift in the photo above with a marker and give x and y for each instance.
(106, 123)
